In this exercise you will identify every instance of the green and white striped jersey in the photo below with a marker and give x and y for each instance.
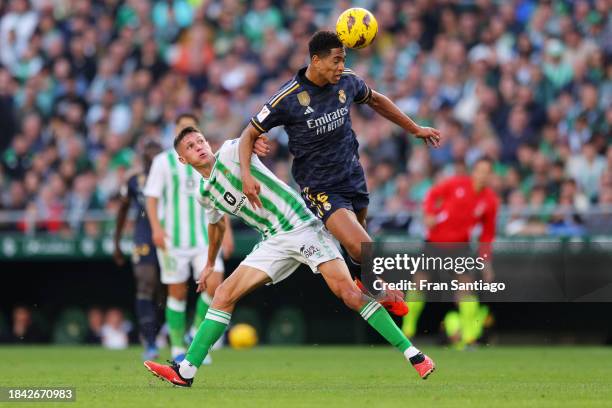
(283, 209)
(176, 187)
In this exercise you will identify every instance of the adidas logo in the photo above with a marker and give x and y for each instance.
(308, 110)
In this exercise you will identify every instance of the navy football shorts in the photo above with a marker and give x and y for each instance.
(324, 203)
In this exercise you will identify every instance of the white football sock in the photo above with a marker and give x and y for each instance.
(411, 352)
(187, 370)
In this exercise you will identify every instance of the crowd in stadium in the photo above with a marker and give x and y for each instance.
(83, 84)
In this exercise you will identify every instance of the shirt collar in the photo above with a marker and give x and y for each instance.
(301, 78)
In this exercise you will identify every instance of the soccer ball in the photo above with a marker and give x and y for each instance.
(242, 336)
(356, 27)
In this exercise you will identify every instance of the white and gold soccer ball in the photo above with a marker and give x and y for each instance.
(356, 28)
(242, 336)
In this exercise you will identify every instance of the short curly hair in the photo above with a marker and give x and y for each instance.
(322, 42)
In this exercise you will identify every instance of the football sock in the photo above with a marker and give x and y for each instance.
(201, 308)
(175, 317)
(209, 332)
(377, 317)
(468, 316)
(147, 321)
(416, 304)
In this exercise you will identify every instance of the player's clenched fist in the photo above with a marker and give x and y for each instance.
(251, 188)
(261, 146)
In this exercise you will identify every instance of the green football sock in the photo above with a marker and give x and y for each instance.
(209, 332)
(175, 317)
(468, 315)
(201, 308)
(379, 319)
(416, 304)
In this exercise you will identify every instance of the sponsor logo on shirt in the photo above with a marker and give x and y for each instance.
(329, 121)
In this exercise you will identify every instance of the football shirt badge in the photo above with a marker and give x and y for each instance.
(303, 98)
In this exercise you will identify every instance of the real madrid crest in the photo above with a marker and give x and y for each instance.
(341, 96)
(303, 98)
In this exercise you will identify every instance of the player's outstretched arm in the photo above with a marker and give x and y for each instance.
(386, 108)
(216, 232)
(250, 187)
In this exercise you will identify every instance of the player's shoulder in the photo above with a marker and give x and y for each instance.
(228, 149)
(284, 91)
(349, 75)
(132, 176)
(161, 157)
(347, 72)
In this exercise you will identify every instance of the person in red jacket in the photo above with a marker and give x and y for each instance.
(452, 208)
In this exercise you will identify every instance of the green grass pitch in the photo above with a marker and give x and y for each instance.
(325, 377)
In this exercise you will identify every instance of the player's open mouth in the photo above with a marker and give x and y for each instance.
(203, 155)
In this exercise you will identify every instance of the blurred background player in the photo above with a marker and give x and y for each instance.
(452, 208)
(314, 108)
(144, 258)
(181, 238)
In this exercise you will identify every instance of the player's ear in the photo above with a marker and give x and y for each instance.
(182, 159)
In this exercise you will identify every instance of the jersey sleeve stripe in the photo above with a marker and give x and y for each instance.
(257, 125)
(367, 97)
(281, 97)
(281, 91)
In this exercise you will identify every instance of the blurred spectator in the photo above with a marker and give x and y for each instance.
(95, 321)
(525, 83)
(115, 330)
(23, 329)
(587, 169)
(519, 222)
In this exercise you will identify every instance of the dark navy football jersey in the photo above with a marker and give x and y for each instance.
(144, 250)
(318, 123)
